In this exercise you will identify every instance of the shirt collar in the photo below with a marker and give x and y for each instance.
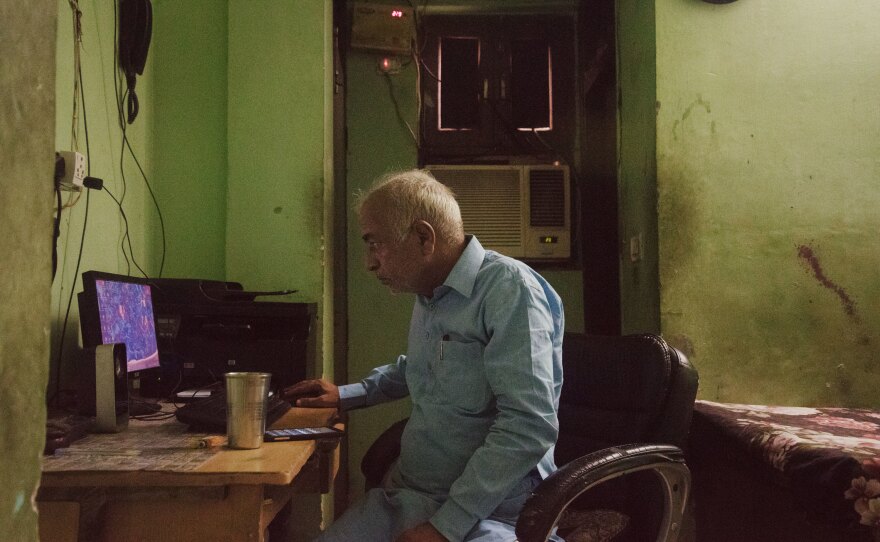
(464, 273)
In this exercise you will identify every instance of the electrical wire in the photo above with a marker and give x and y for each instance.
(125, 220)
(56, 229)
(73, 199)
(81, 245)
(155, 201)
(120, 109)
(122, 157)
(77, 45)
(419, 65)
(126, 236)
(120, 112)
(397, 109)
(417, 24)
(79, 95)
(419, 105)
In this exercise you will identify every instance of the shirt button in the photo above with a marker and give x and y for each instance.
(431, 306)
(427, 335)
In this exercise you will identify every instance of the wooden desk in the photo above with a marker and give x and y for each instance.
(152, 482)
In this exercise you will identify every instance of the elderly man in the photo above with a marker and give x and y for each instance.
(483, 369)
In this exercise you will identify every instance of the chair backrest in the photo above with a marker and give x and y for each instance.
(622, 389)
(618, 390)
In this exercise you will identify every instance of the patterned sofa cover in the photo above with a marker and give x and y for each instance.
(785, 473)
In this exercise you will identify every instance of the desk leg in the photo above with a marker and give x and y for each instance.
(247, 505)
(303, 516)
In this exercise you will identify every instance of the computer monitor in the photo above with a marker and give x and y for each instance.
(119, 309)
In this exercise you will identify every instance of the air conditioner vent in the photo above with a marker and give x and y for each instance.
(518, 210)
(490, 204)
(547, 198)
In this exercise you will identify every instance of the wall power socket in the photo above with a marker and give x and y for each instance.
(74, 171)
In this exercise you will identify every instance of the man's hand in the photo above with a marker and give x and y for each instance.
(421, 533)
(312, 393)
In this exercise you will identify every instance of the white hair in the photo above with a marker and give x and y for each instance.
(408, 196)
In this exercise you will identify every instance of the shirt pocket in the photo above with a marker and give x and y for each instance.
(461, 376)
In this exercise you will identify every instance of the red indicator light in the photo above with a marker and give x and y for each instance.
(396, 13)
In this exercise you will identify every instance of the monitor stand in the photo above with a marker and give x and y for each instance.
(138, 405)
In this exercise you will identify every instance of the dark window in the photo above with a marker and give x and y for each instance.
(531, 98)
(499, 85)
(459, 89)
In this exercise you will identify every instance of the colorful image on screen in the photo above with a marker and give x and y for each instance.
(126, 314)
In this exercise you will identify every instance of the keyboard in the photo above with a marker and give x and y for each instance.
(209, 414)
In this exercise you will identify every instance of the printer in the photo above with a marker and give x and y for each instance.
(206, 328)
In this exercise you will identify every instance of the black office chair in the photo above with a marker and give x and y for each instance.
(624, 416)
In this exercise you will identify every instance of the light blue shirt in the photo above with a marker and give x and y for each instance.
(483, 368)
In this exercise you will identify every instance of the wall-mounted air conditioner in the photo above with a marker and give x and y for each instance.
(521, 211)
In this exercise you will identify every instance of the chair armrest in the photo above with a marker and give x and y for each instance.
(381, 455)
(550, 499)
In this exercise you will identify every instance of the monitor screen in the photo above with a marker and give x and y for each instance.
(119, 309)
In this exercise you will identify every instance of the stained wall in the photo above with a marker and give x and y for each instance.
(768, 158)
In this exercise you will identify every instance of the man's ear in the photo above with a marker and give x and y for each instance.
(426, 235)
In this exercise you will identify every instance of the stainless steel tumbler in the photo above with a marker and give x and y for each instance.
(246, 395)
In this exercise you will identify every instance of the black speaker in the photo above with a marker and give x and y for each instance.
(103, 387)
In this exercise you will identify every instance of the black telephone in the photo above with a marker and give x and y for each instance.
(135, 31)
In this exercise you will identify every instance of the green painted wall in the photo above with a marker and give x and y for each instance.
(27, 119)
(768, 137)
(637, 173)
(276, 145)
(239, 141)
(188, 139)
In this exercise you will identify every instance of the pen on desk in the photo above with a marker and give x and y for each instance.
(211, 442)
